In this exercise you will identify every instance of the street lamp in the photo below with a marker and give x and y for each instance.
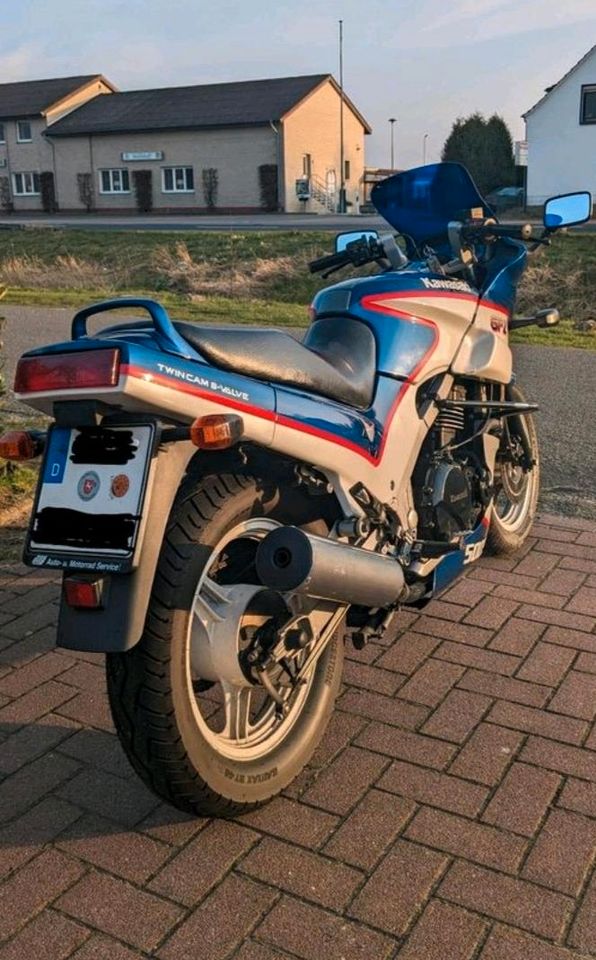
(392, 121)
(424, 139)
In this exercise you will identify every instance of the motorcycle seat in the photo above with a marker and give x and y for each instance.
(337, 358)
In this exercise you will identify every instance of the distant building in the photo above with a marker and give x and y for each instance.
(27, 110)
(561, 135)
(214, 144)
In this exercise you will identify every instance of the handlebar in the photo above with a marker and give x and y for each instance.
(330, 262)
(487, 231)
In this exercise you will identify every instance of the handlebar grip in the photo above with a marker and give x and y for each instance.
(483, 231)
(326, 263)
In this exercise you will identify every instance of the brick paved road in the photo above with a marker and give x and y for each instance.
(450, 813)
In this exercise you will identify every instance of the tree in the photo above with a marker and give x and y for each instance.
(210, 187)
(485, 148)
(86, 191)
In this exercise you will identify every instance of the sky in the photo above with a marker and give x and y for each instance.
(425, 62)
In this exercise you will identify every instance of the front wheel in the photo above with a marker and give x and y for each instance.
(194, 723)
(517, 482)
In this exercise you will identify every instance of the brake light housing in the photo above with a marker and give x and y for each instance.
(79, 370)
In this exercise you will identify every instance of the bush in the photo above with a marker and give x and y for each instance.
(5, 197)
(143, 187)
(86, 191)
(210, 187)
(268, 186)
(47, 187)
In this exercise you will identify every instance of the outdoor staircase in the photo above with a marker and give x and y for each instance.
(320, 193)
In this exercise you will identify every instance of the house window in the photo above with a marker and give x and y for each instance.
(346, 169)
(23, 131)
(2, 137)
(25, 184)
(588, 104)
(307, 165)
(114, 181)
(177, 180)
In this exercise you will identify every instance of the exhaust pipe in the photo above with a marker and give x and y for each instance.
(290, 560)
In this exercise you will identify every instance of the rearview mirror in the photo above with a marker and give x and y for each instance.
(343, 239)
(567, 210)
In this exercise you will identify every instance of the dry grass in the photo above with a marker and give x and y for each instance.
(65, 272)
(547, 284)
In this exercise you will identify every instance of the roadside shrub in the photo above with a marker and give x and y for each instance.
(47, 187)
(210, 187)
(86, 191)
(5, 197)
(143, 187)
(268, 187)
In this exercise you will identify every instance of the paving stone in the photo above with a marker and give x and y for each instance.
(434, 789)
(106, 845)
(313, 934)
(506, 944)
(24, 837)
(513, 901)
(371, 678)
(566, 637)
(463, 838)
(562, 582)
(408, 652)
(576, 696)
(547, 664)
(550, 725)
(34, 704)
(216, 849)
(90, 708)
(343, 728)
(97, 749)
(171, 826)
(292, 821)
(522, 799)
(30, 742)
(127, 801)
(120, 910)
(586, 662)
(583, 601)
(583, 931)
(505, 688)
(489, 660)
(27, 786)
(559, 618)
(558, 756)
(444, 932)
(403, 745)
(487, 754)
(100, 947)
(47, 937)
(386, 709)
(517, 637)
(456, 717)
(431, 682)
(345, 780)
(492, 612)
(563, 852)
(457, 632)
(468, 592)
(446, 611)
(372, 826)
(307, 875)
(34, 886)
(33, 674)
(579, 795)
(399, 887)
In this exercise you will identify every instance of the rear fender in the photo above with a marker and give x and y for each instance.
(120, 625)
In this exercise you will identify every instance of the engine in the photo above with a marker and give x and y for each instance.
(449, 480)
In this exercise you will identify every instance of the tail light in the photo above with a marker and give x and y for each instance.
(216, 431)
(68, 371)
(83, 594)
(21, 445)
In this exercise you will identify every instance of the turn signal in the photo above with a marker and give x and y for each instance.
(20, 445)
(217, 431)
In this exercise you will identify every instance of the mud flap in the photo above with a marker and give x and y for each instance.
(119, 626)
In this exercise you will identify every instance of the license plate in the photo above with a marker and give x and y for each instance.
(89, 502)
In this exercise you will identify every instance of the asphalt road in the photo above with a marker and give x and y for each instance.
(562, 381)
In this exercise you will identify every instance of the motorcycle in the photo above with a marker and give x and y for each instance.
(228, 505)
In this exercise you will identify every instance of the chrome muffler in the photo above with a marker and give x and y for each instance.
(290, 560)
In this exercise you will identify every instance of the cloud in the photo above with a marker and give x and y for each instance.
(482, 20)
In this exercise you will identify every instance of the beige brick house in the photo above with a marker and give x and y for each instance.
(230, 134)
(27, 111)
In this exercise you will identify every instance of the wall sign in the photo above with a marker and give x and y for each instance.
(143, 155)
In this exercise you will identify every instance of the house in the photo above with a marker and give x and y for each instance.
(561, 135)
(236, 147)
(27, 110)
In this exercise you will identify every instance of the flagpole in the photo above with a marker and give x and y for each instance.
(342, 188)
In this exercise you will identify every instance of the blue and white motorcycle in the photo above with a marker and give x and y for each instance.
(227, 505)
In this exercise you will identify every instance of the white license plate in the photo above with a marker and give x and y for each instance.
(90, 497)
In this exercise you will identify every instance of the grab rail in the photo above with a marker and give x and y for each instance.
(159, 315)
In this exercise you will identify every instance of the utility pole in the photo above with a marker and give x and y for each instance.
(342, 178)
(392, 121)
(424, 139)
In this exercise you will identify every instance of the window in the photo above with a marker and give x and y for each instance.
(114, 181)
(2, 137)
(25, 184)
(307, 165)
(588, 104)
(23, 131)
(177, 180)
(346, 169)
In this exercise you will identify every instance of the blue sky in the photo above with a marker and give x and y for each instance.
(424, 62)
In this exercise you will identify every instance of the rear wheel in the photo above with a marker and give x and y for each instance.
(517, 482)
(194, 723)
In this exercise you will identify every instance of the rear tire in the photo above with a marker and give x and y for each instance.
(510, 527)
(150, 687)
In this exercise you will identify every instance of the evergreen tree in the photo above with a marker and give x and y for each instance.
(485, 147)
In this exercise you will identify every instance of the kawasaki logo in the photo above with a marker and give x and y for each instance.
(459, 285)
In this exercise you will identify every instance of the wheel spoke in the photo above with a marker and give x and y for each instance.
(211, 602)
(237, 709)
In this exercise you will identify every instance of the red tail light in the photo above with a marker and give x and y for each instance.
(68, 371)
(86, 594)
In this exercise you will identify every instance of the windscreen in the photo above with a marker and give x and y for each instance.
(420, 203)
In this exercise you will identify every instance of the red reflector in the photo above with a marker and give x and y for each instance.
(68, 371)
(216, 431)
(17, 445)
(83, 593)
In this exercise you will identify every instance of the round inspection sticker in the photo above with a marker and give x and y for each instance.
(120, 485)
(88, 485)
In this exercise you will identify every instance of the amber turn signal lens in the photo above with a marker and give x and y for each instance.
(18, 445)
(217, 431)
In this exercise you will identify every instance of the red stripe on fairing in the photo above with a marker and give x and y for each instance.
(485, 522)
(371, 299)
